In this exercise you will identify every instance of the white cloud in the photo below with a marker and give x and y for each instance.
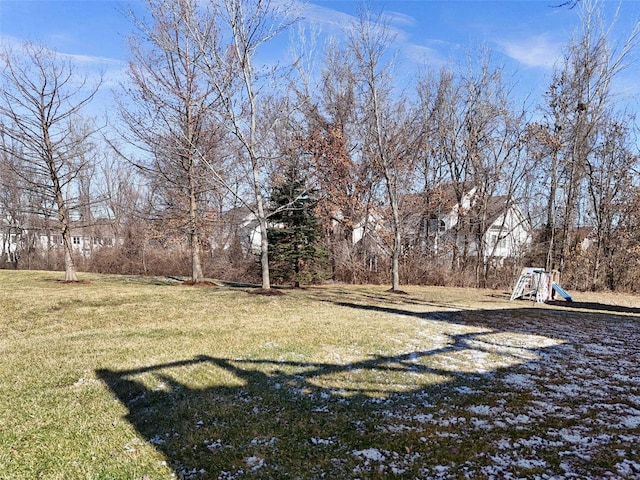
(333, 23)
(16, 44)
(538, 51)
(91, 60)
(109, 72)
(328, 20)
(401, 19)
(423, 55)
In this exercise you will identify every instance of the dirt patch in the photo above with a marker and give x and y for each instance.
(397, 292)
(266, 291)
(75, 282)
(199, 284)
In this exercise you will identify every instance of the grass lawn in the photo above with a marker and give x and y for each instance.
(145, 379)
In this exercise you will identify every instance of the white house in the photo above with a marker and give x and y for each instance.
(237, 226)
(430, 223)
(509, 232)
(84, 240)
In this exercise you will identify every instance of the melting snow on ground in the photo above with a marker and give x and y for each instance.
(549, 398)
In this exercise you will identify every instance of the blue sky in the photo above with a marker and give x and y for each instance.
(526, 36)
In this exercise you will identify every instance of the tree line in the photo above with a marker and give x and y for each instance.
(203, 137)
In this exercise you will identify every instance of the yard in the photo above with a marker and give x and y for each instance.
(146, 379)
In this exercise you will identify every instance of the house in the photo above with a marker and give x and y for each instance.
(495, 226)
(238, 226)
(508, 231)
(45, 237)
(372, 227)
(10, 237)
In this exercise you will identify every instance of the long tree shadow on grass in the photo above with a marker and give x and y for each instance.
(596, 306)
(418, 414)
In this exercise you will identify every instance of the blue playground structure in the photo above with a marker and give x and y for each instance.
(563, 293)
(538, 284)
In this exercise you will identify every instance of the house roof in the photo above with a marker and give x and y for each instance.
(497, 206)
(443, 201)
(439, 200)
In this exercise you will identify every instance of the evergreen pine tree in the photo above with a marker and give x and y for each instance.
(295, 251)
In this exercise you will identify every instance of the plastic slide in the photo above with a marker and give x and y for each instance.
(562, 292)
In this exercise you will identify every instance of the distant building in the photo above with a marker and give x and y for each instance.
(45, 237)
(430, 224)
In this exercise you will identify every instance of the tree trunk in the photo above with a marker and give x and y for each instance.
(397, 247)
(70, 274)
(264, 244)
(196, 264)
(551, 212)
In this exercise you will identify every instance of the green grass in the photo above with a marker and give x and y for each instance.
(141, 378)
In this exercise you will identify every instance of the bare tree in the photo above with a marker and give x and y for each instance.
(167, 108)
(328, 130)
(42, 99)
(119, 189)
(474, 149)
(242, 87)
(493, 143)
(390, 133)
(579, 99)
(12, 205)
(610, 188)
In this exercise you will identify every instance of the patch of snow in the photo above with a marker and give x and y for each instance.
(569, 389)
(530, 464)
(519, 419)
(635, 399)
(480, 423)
(423, 418)
(480, 409)
(466, 390)
(213, 445)
(632, 421)
(628, 468)
(396, 428)
(254, 463)
(322, 441)
(269, 442)
(372, 454)
(599, 349)
(571, 436)
(188, 474)
(504, 444)
(162, 387)
(522, 380)
(447, 422)
(157, 440)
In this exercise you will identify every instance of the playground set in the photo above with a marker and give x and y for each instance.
(538, 284)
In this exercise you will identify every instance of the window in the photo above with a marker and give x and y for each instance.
(75, 240)
(436, 224)
(498, 241)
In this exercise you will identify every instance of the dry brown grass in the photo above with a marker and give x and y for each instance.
(131, 378)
